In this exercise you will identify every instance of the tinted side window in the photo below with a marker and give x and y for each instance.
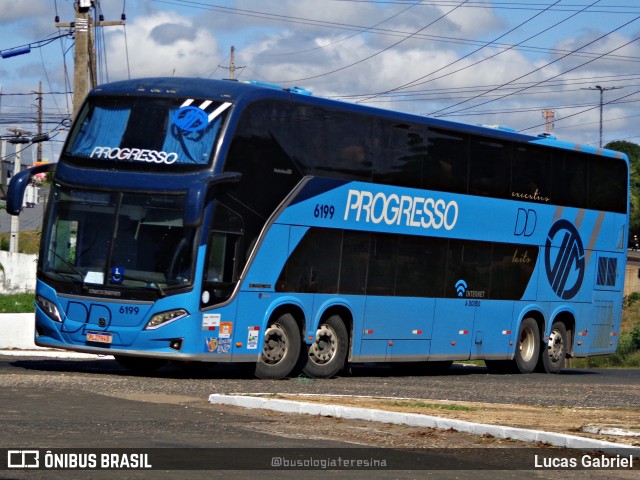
(511, 270)
(354, 261)
(608, 184)
(382, 265)
(421, 266)
(531, 174)
(470, 263)
(570, 179)
(329, 143)
(489, 167)
(313, 265)
(398, 150)
(446, 167)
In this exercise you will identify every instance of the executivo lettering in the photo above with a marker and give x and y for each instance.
(404, 210)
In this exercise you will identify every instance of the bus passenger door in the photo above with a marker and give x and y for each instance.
(452, 329)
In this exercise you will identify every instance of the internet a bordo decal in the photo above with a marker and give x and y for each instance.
(564, 259)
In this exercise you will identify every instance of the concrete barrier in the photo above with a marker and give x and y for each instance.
(17, 331)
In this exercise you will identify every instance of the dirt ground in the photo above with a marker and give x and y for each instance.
(586, 422)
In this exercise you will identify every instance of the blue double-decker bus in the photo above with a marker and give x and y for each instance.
(195, 220)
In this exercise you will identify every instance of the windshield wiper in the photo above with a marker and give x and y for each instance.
(70, 265)
(147, 283)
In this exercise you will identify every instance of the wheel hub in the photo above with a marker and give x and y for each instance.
(555, 349)
(325, 346)
(275, 344)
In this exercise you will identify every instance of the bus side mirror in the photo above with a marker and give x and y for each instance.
(18, 185)
(198, 192)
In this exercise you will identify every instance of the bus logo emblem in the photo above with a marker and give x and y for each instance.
(565, 271)
(191, 119)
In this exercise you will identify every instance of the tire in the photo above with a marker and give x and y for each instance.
(327, 355)
(280, 350)
(527, 347)
(555, 352)
(140, 364)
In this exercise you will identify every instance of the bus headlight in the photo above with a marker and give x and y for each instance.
(162, 318)
(49, 308)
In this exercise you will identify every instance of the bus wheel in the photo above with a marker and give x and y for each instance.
(528, 346)
(140, 364)
(280, 350)
(328, 353)
(556, 349)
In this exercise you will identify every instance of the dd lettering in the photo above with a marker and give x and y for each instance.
(525, 223)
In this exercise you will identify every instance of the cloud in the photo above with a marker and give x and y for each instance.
(163, 43)
(170, 33)
(22, 10)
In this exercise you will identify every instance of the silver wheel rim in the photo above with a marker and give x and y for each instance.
(324, 349)
(527, 344)
(555, 347)
(276, 344)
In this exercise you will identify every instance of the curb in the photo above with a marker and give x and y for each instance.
(419, 420)
(51, 353)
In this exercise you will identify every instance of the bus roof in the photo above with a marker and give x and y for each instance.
(243, 93)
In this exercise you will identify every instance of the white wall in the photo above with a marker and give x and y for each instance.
(17, 331)
(18, 274)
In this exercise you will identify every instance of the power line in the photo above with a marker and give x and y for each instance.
(584, 111)
(378, 31)
(378, 52)
(538, 69)
(415, 82)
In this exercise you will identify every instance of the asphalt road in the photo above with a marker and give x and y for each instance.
(56, 403)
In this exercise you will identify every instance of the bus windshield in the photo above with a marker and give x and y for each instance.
(118, 240)
(147, 131)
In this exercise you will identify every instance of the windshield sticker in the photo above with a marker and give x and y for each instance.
(138, 154)
(193, 119)
(211, 321)
(117, 274)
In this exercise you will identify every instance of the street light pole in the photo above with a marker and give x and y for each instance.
(602, 89)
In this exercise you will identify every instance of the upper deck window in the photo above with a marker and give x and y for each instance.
(147, 131)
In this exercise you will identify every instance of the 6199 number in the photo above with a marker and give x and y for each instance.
(324, 211)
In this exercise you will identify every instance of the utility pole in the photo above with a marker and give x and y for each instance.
(232, 64)
(39, 147)
(602, 90)
(19, 139)
(84, 51)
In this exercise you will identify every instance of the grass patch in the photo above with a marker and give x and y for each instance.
(430, 406)
(627, 355)
(28, 241)
(17, 303)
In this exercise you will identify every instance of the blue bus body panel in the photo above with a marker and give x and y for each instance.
(579, 266)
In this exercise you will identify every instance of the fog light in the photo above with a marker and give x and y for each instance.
(175, 344)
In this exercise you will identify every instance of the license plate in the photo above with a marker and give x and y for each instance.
(99, 337)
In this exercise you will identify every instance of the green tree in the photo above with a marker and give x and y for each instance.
(632, 151)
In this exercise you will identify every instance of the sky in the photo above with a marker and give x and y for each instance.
(501, 62)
